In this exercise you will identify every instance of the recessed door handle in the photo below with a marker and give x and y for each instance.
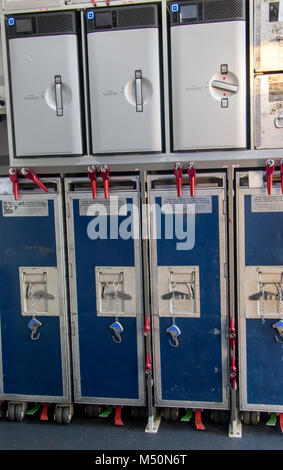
(58, 95)
(225, 86)
(138, 83)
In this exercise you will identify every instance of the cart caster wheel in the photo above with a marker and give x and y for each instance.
(224, 417)
(19, 413)
(255, 418)
(58, 414)
(135, 412)
(96, 410)
(11, 412)
(63, 414)
(174, 413)
(247, 417)
(166, 414)
(215, 415)
(89, 410)
(66, 415)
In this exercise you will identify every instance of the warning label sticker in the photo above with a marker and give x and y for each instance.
(25, 208)
(111, 206)
(267, 203)
(178, 205)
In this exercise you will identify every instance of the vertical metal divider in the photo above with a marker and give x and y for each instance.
(66, 270)
(165, 80)
(251, 43)
(235, 426)
(7, 92)
(85, 82)
(153, 419)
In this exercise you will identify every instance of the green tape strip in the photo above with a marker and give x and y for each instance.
(106, 413)
(188, 415)
(36, 407)
(272, 420)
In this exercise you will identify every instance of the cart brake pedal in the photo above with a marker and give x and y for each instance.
(188, 415)
(198, 422)
(272, 420)
(118, 418)
(106, 413)
(33, 410)
(44, 415)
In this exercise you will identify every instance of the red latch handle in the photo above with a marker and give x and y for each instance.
(146, 330)
(269, 167)
(148, 366)
(91, 172)
(178, 173)
(232, 334)
(105, 171)
(192, 168)
(13, 175)
(233, 372)
(281, 174)
(28, 173)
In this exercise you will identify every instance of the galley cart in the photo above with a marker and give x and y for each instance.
(260, 282)
(34, 353)
(189, 294)
(106, 293)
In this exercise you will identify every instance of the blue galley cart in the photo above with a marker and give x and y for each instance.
(106, 293)
(34, 340)
(189, 293)
(260, 299)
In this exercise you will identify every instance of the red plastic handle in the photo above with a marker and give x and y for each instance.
(233, 372)
(105, 172)
(178, 170)
(148, 366)
(13, 175)
(269, 167)
(28, 173)
(192, 169)
(146, 326)
(91, 172)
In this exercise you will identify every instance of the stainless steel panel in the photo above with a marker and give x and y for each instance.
(268, 103)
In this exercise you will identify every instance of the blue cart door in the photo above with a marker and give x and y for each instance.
(260, 309)
(106, 294)
(34, 361)
(188, 263)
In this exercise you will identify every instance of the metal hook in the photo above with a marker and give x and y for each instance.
(277, 339)
(119, 340)
(176, 342)
(34, 329)
(33, 325)
(117, 328)
(174, 331)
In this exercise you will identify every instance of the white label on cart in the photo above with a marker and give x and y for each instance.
(267, 203)
(255, 179)
(280, 16)
(203, 204)
(111, 206)
(25, 208)
(6, 186)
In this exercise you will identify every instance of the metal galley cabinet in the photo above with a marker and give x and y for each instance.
(45, 83)
(260, 281)
(189, 295)
(124, 78)
(34, 341)
(106, 294)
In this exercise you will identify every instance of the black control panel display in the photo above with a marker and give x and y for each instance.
(188, 12)
(103, 19)
(24, 25)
